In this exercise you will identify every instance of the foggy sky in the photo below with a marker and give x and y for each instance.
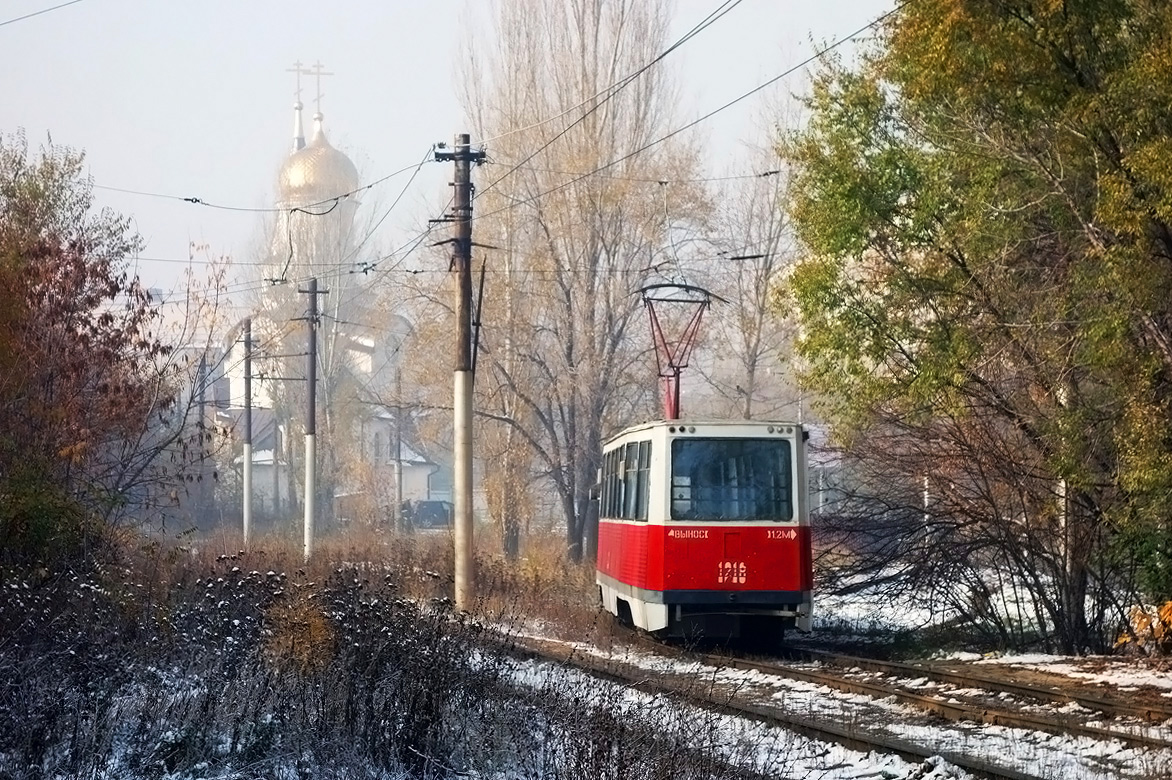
(193, 99)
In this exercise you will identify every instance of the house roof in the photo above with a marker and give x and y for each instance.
(259, 458)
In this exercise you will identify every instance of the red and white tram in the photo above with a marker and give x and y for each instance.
(704, 528)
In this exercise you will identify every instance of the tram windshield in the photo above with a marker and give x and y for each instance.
(731, 479)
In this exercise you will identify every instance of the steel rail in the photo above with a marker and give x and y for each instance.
(1107, 706)
(954, 711)
(949, 710)
(684, 686)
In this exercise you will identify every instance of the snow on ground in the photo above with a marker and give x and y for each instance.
(865, 615)
(1030, 752)
(1119, 673)
(741, 741)
(865, 611)
(881, 616)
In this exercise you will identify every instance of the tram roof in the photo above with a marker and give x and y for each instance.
(652, 425)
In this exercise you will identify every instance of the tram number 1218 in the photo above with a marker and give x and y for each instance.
(733, 572)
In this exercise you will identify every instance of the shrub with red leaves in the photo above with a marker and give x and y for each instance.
(79, 365)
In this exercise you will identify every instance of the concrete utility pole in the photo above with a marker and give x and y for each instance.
(201, 509)
(247, 430)
(400, 520)
(311, 417)
(277, 467)
(463, 157)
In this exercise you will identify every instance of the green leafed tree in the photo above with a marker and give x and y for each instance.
(985, 204)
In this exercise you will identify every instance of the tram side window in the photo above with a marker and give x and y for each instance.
(607, 486)
(636, 480)
(614, 483)
(616, 507)
(630, 480)
(612, 486)
(603, 487)
(643, 480)
(626, 482)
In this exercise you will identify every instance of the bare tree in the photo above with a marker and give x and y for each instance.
(749, 349)
(561, 363)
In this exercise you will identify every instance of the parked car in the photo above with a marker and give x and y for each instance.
(431, 514)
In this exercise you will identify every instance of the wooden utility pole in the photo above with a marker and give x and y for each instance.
(311, 417)
(463, 157)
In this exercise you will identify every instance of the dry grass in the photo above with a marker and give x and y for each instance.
(200, 659)
(299, 634)
(541, 586)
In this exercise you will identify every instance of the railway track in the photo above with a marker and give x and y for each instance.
(1111, 707)
(852, 735)
(944, 703)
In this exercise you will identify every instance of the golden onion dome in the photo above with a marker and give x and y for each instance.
(316, 172)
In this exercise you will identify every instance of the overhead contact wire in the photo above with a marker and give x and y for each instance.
(789, 71)
(614, 89)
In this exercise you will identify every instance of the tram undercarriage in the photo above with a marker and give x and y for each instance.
(715, 615)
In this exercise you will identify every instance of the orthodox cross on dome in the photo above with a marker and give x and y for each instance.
(317, 72)
(299, 69)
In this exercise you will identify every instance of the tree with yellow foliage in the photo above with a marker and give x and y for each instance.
(986, 206)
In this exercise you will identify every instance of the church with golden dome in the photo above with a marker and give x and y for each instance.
(315, 172)
(365, 464)
(317, 202)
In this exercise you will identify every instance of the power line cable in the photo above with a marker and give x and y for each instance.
(38, 13)
(614, 89)
(282, 277)
(426, 158)
(610, 92)
(415, 243)
(699, 180)
(410, 246)
(616, 85)
(812, 58)
(334, 199)
(253, 263)
(366, 269)
(252, 286)
(234, 262)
